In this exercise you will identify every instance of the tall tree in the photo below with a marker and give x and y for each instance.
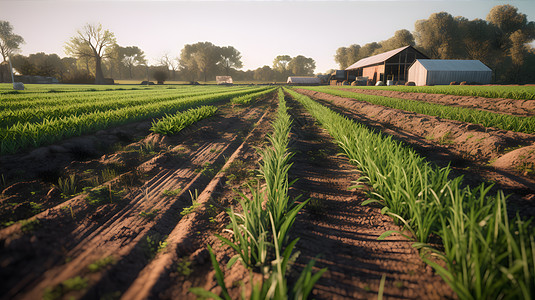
(91, 42)
(188, 65)
(301, 65)
(230, 59)
(264, 74)
(172, 64)
(438, 36)
(9, 42)
(400, 39)
(132, 56)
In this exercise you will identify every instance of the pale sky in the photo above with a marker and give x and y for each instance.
(260, 30)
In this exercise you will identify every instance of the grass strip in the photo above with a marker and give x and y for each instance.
(484, 118)
(487, 255)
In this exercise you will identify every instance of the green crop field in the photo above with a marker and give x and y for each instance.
(509, 92)
(44, 114)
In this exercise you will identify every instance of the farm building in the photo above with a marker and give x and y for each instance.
(224, 79)
(303, 80)
(390, 65)
(445, 71)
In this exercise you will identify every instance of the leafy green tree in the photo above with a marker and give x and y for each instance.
(230, 59)
(400, 39)
(438, 36)
(132, 56)
(9, 42)
(91, 42)
(264, 73)
(301, 65)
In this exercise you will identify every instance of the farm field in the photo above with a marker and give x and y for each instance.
(114, 192)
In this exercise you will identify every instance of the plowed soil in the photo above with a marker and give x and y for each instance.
(142, 231)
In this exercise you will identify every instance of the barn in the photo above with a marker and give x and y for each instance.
(445, 71)
(390, 65)
(294, 80)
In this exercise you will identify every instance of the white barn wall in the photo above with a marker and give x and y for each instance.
(437, 72)
(417, 74)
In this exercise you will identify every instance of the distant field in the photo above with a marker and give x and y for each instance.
(510, 92)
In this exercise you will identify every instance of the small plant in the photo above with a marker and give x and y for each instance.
(184, 267)
(149, 214)
(72, 284)
(316, 206)
(102, 195)
(147, 149)
(108, 174)
(101, 264)
(171, 193)
(194, 204)
(28, 226)
(154, 244)
(67, 186)
(445, 139)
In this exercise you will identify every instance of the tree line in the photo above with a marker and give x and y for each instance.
(501, 42)
(94, 55)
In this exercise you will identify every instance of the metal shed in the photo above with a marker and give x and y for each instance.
(303, 80)
(445, 71)
(390, 65)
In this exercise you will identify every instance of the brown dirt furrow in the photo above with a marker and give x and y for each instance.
(119, 230)
(342, 233)
(182, 236)
(499, 105)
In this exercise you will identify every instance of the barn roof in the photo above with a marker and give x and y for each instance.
(377, 59)
(453, 65)
(303, 80)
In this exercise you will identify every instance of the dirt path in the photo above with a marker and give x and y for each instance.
(130, 230)
(343, 233)
(499, 105)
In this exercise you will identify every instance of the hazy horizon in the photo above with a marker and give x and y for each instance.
(260, 30)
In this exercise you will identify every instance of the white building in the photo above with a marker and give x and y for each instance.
(445, 71)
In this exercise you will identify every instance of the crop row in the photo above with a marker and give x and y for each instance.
(21, 136)
(260, 233)
(487, 256)
(484, 118)
(173, 124)
(246, 99)
(39, 110)
(509, 92)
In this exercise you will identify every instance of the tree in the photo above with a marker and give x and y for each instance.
(508, 19)
(161, 74)
(400, 39)
(439, 36)
(301, 65)
(132, 56)
(264, 74)
(188, 65)
(9, 42)
(171, 64)
(91, 42)
(230, 59)
(201, 57)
